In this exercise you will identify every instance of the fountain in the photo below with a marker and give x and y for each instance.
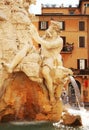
(31, 78)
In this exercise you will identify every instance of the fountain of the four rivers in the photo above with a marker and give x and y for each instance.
(31, 77)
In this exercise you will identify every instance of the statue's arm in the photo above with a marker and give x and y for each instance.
(48, 44)
(34, 33)
(53, 44)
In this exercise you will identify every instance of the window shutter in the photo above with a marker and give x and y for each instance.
(85, 63)
(63, 25)
(81, 26)
(78, 65)
(81, 41)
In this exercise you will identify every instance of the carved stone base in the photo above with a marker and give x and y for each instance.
(24, 99)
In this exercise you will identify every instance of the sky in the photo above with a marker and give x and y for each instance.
(36, 9)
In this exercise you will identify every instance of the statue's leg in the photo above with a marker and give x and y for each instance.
(3, 76)
(49, 82)
(58, 91)
(36, 79)
(17, 59)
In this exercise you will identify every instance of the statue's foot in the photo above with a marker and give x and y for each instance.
(52, 100)
(39, 80)
(7, 66)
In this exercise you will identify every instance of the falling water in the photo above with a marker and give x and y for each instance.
(77, 93)
(82, 111)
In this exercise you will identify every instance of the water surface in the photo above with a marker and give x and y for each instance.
(27, 126)
(34, 126)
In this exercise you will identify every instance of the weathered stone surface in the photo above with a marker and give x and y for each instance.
(24, 99)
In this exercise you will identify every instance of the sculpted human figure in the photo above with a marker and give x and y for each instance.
(52, 67)
(8, 47)
(50, 52)
(31, 63)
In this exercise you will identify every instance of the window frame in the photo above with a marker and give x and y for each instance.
(83, 65)
(43, 25)
(71, 12)
(62, 25)
(81, 41)
(81, 25)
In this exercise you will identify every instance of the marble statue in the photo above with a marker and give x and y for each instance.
(44, 67)
(48, 64)
(14, 21)
(21, 22)
(8, 47)
(32, 74)
(52, 66)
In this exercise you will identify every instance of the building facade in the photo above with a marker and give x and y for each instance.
(74, 23)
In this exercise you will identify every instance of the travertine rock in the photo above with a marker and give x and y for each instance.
(24, 99)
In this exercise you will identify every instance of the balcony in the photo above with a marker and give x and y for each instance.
(68, 48)
(80, 72)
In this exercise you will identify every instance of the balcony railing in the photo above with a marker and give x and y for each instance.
(68, 48)
(80, 72)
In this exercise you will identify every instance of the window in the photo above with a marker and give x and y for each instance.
(81, 64)
(43, 25)
(62, 25)
(86, 5)
(71, 12)
(81, 26)
(82, 41)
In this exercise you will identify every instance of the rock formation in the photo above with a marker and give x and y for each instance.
(24, 99)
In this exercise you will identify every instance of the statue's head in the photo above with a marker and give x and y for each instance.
(55, 25)
(53, 28)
